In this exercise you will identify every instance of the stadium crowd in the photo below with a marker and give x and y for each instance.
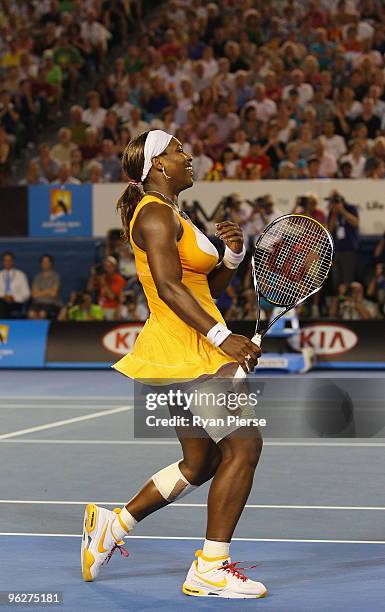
(113, 292)
(255, 90)
(279, 89)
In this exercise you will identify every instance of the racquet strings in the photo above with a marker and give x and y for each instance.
(292, 259)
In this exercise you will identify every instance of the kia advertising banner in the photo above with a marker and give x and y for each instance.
(89, 344)
(60, 210)
(359, 344)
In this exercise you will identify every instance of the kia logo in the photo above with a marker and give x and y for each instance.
(120, 340)
(324, 338)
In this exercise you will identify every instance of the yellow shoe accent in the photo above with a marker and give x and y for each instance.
(199, 553)
(88, 561)
(91, 511)
(220, 584)
(187, 590)
(101, 548)
(122, 524)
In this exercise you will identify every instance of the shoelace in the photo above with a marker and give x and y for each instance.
(236, 571)
(123, 551)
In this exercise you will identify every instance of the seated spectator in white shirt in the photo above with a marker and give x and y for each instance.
(172, 76)
(136, 125)
(332, 142)
(95, 172)
(93, 32)
(240, 146)
(230, 164)
(64, 176)
(305, 90)
(14, 288)
(122, 107)
(201, 163)
(327, 161)
(265, 107)
(94, 115)
(209, 62)
(62, 151)
(109, 162)
(356, 159)
(225, 121)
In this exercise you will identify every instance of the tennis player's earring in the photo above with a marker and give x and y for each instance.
(164, 173)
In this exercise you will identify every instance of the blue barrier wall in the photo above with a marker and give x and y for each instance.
(73, 258)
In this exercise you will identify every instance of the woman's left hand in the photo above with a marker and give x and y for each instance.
(231, 234)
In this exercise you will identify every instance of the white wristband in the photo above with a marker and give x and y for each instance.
(232, 260)
(218, 334)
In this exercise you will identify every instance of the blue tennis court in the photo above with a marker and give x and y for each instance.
(313, 525)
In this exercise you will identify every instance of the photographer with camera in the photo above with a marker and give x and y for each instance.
(81, 308)
(308, 205)
(261, 212)
(343, 223)
(355, 307)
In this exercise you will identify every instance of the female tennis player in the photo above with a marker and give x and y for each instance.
(185, 338)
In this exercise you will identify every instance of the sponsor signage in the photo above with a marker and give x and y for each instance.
(23, 343)
(120, 340)
(325, 339)
(60, 210)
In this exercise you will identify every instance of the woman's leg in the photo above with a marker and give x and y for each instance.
(231, 485)
(201, 457)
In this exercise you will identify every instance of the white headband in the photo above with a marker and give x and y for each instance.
(156, 142)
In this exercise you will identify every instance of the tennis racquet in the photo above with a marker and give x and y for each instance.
(291, 261)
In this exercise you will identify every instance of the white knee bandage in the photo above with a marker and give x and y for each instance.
(171, 483)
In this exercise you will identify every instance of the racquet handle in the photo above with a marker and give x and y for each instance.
(240, 373)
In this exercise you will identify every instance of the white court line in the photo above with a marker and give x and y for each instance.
(86, 417)
(171, 442)
(145, 537)
(186, 505)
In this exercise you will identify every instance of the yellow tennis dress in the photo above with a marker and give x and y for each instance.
(167, 348)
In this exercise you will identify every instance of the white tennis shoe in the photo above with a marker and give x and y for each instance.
(220, 579)
(98, 543)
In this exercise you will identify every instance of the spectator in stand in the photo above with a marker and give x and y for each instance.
(130, 309)
(33, 175)
(376, 287)
(69, 59)
(78, 169)
(64, 176)
(265, 107)
(122, 107)
(308, 205)
(257, 159)
(111, 127)
(343, 222)
(62, 151)
(92, 147)
(355, 307)
(14, 288)
(241, 145)
(225, 121)
(94, 115)
(327, 162)
(95, 172)
(305, 90)
(81, 308)
(136, 125)
(374, 168)
(77, 126)
(313, 168)
(5, 157)
(356, 159)
(109, 285)
(109, 162)
(96, 35)
(9, 117)
(333, 143)
(369, 118)
(46, 300)
(48, 166)
(201, 163)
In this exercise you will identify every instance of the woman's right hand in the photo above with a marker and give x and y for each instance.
(243, 350)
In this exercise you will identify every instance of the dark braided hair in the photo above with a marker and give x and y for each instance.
(132, 164)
